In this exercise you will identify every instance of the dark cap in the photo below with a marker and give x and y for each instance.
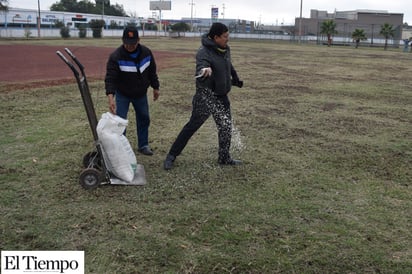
(217, 29)
(130, 35)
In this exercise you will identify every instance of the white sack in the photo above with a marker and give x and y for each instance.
(118, 153)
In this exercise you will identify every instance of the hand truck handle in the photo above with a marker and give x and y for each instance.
(68, 63)
(75, 60)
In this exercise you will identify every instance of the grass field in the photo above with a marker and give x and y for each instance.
(326, 139)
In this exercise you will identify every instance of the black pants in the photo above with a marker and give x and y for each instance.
(204, 104)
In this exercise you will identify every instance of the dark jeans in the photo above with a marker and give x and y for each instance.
(204, 104)
(141, 108)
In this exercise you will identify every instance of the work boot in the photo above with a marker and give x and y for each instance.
(168, 163)
(230, 162)
(145, 150)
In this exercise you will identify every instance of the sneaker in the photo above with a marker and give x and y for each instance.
(145, 150)
(168, 163)
(230, 162)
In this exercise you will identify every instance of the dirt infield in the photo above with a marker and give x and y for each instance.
(24, 66)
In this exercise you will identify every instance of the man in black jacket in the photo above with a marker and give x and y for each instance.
(131, 69)
(215, 77)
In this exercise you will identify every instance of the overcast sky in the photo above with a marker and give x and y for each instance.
(269, 12)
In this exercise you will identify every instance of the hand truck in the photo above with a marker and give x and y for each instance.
(95, 171)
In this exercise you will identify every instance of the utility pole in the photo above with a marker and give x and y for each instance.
(103, 2)
(104, 22)
(160, 17)
(300, 22)
(38, 19)
(191, 14)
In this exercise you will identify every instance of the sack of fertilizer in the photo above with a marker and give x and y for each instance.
(117, 152)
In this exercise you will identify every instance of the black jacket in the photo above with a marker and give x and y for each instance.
(219, 60)
(131, 76)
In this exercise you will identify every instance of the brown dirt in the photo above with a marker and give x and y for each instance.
(31, 66)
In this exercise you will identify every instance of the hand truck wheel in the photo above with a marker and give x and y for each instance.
(90, 178)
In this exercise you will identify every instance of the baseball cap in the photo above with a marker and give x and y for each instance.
(130, 35)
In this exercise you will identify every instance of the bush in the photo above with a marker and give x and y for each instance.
(97, 26)
(150, 27)
(180, 27)
(82, 31)
(65, 32)
(59, 24)
(27, 32)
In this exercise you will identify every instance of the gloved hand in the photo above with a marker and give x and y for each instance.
(238, 83)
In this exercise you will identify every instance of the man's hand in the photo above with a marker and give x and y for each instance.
(112, 104)
(156, 94)
(204, 72)
(238, 83)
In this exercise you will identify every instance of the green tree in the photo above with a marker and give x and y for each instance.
(180, 27)
(116, 10)
(387, 31)
(65, 5)
(358, 35)
(86, 6)
(328, 28)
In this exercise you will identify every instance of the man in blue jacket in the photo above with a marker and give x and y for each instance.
(214, 80)
(131, 69)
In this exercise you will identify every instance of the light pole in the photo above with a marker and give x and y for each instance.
(191, 14)
(160, 19)
(38, 19)
(300, 22)
(104, 22)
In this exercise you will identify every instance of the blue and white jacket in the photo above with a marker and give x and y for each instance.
(131, 74)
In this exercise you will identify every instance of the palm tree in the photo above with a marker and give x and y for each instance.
(328, 27)
(357, 35)
(387, 31)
